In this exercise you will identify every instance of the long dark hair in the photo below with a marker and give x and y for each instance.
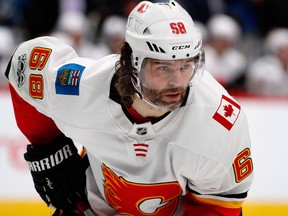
(124, 73)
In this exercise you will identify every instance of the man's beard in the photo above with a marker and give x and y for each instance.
(156, 97)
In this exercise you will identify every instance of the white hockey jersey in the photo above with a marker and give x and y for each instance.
(202, 148)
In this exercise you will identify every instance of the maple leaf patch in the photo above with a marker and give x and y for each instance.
(227, 112)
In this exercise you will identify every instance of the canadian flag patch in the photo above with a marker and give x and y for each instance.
(227, 112)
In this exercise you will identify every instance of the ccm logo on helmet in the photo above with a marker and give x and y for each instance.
(51, 161)
(181, 47)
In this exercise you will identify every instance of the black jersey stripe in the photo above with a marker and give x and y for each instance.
(235, 196)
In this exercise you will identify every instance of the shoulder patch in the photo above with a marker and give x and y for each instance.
(68, 79)
(227, 112)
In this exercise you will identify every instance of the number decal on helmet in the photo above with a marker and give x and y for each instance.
(178, 28)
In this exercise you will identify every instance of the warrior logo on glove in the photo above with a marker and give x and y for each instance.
(50, 161)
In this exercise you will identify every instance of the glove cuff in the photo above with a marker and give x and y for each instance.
(44, 157)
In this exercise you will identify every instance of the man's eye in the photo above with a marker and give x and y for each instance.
(185, 67)
(164, 68)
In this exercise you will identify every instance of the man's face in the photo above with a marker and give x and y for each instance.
(164, 83)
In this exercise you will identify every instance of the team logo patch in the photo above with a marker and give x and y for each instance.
(68, 79)
(144, 198)
(227, 112)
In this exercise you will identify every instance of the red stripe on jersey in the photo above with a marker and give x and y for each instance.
(193, 206)
(141, 144)
(141, 150)
(140, 155)
(38, 128)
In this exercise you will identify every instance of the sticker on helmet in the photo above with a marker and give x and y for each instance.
(178, 28)
(143, 8)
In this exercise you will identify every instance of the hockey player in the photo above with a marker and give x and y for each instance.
(162, 137)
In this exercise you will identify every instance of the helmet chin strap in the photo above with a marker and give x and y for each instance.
(140, 95)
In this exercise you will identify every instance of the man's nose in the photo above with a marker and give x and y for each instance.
(176, 78)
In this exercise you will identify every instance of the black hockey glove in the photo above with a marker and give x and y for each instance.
(58, 173)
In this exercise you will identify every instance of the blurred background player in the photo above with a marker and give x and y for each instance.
(113, 33)
(7, 45)
(73, 29)
(223, 59)
(268, 74)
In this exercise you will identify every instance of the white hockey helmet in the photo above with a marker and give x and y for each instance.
(276, 39)
(162, 31)
(224, 26)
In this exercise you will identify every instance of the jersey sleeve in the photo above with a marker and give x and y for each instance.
(222, 185)
(37, 128)
(29, 71)
(34, 65)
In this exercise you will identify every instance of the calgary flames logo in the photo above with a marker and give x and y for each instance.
(130, 198)
(143, 8)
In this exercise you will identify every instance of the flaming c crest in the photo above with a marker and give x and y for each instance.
(130, 198)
